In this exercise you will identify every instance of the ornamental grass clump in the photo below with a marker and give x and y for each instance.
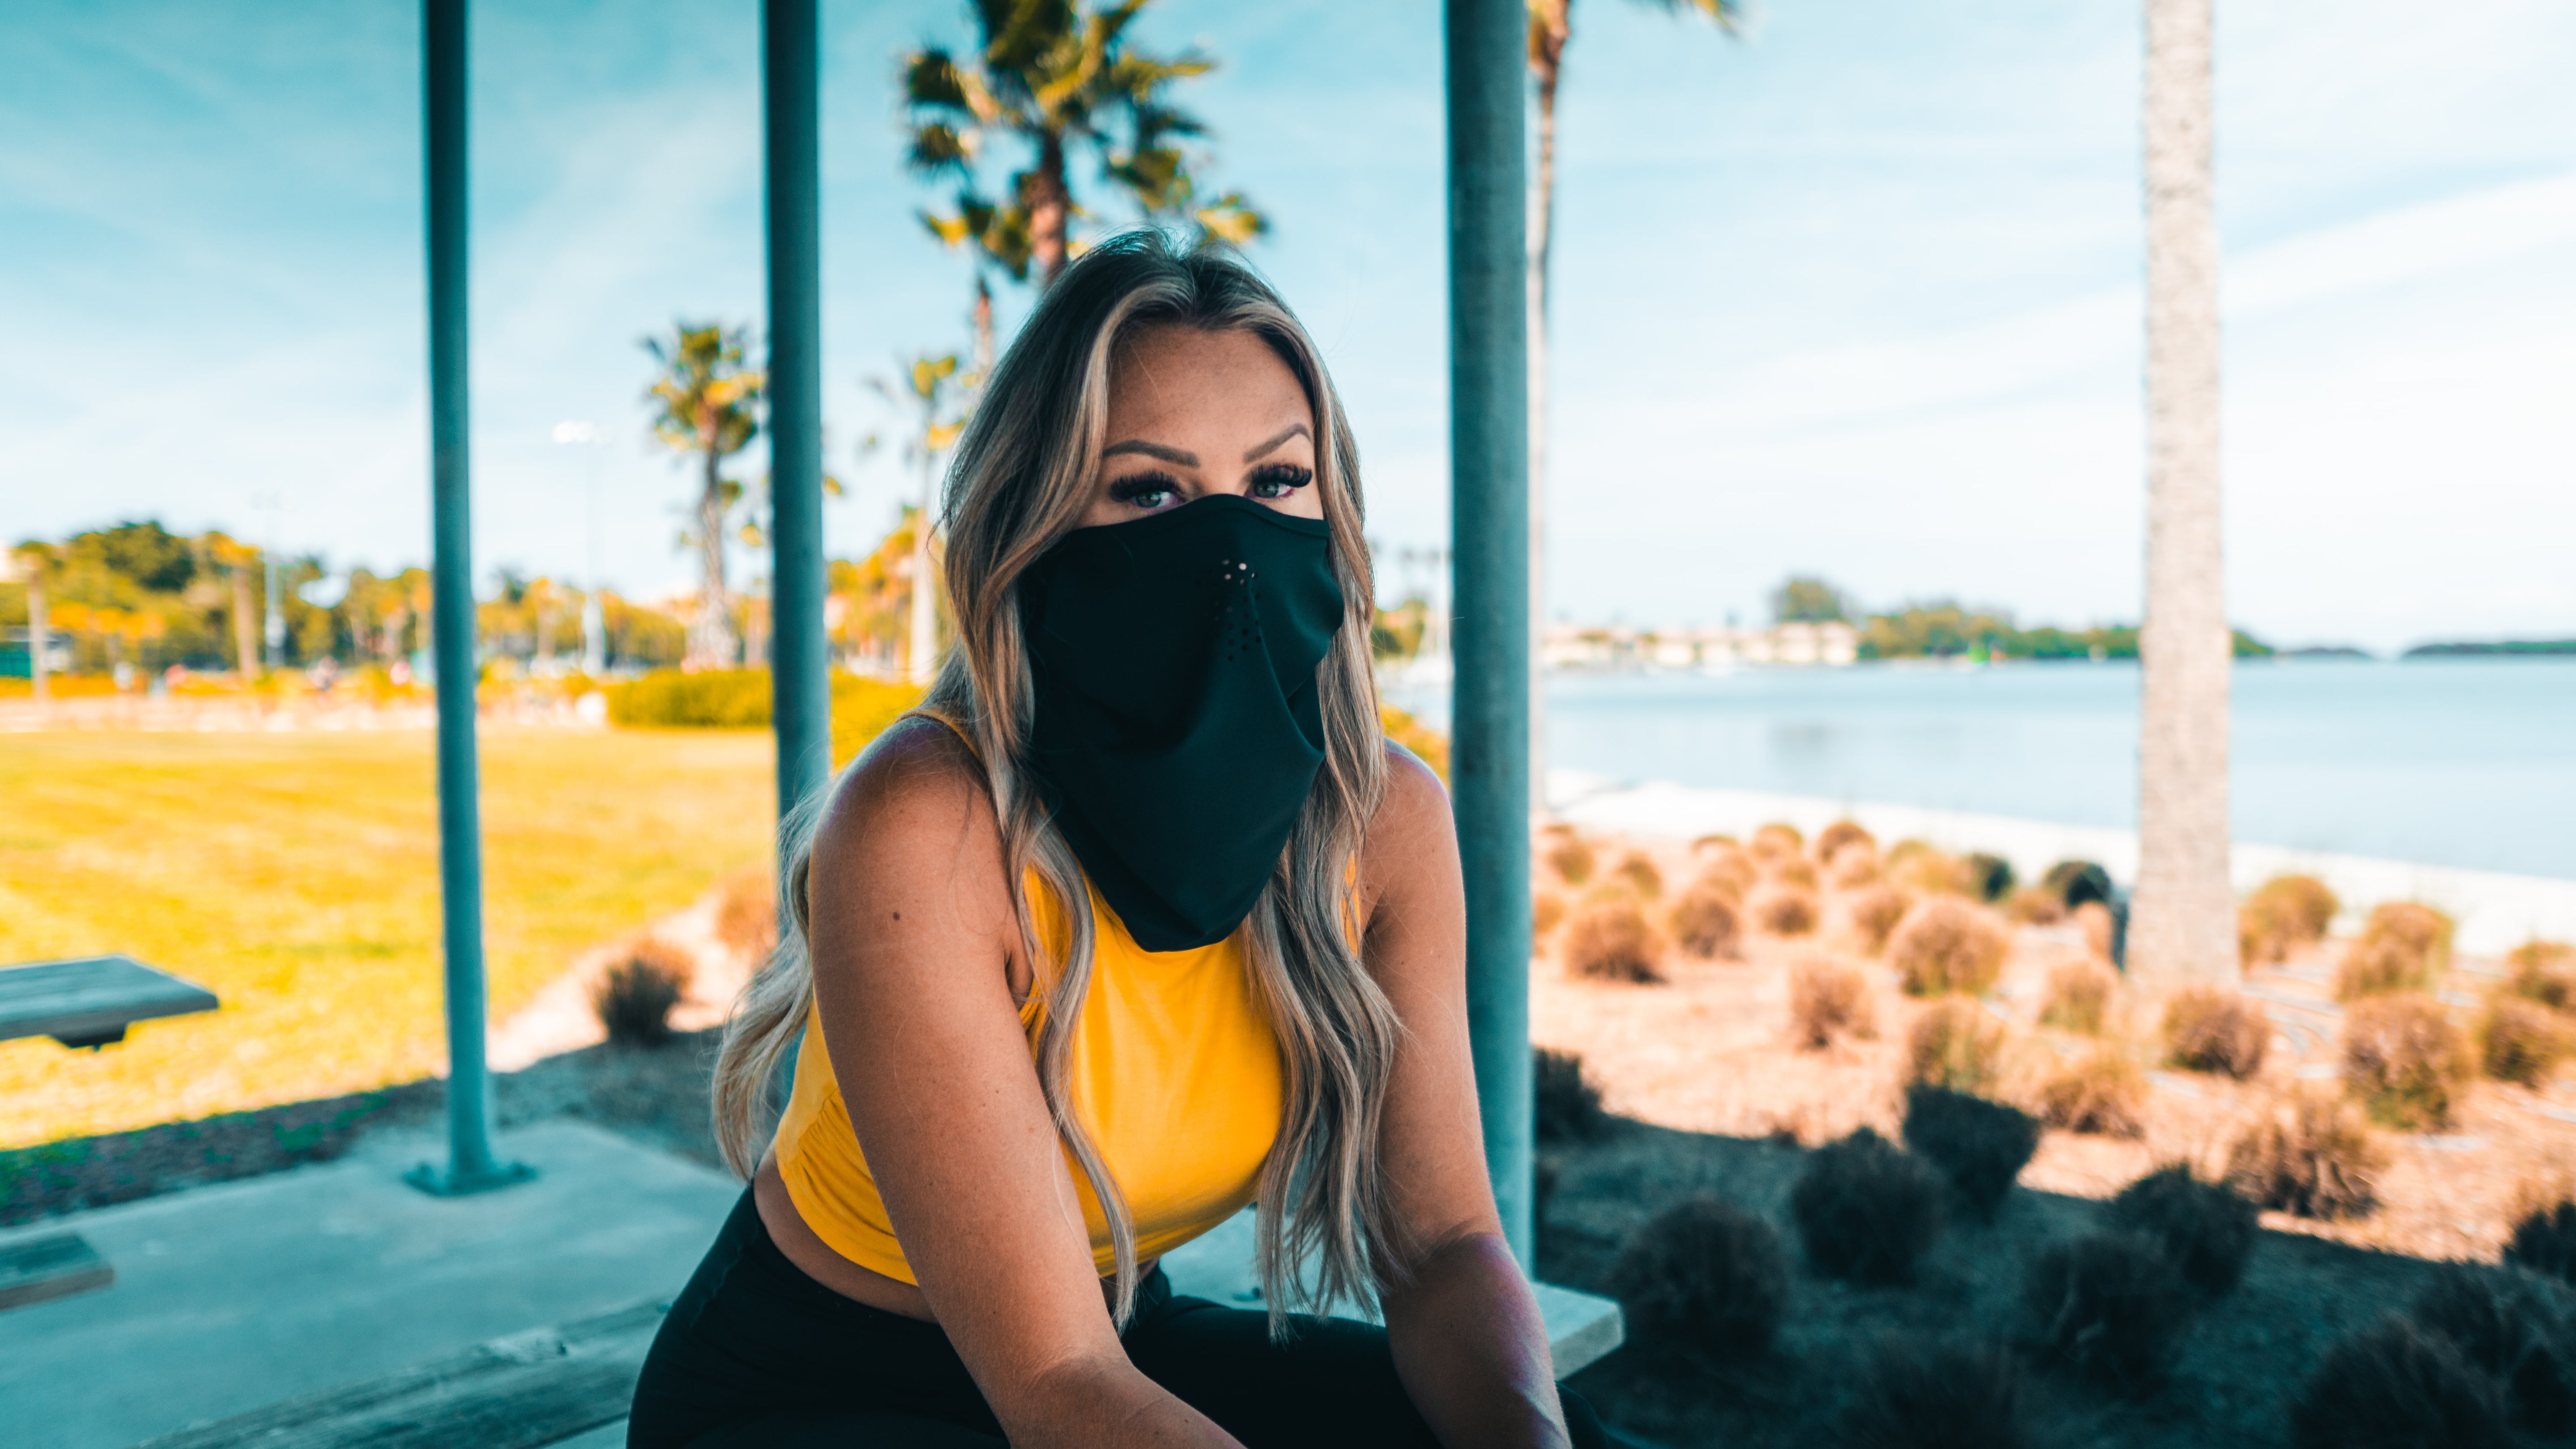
(1831, 840)
(1980, 1145)
(1828, 1002)
(1946, 944)
(2542, 971)
(2404, 1060)
(2512, 1326)
(1928, 871)
(1706, 923)
(1547, 912)
(1872, 913)
(1568, 1105)
(2310, 1156)
(1852, 867)
(2208, 1227)
(1866, 1209)
(2108, 1306)
(2102, 1094)
(1611, 940)
(634, 999)
(2284, 914)
(2206, 1029)
(2520, 1040)
(2078, 997)
(1571, 857)
(2404, 946)
(1933, 1394)
(1706, 1278)
(1777, 839)
(1954, 1044)
(2036, 906)
(747, 916)
(1730, 871)
(2544, 1241)
(1781, 910)
(1795, 871)
(1636, 872)
(2397, 1383)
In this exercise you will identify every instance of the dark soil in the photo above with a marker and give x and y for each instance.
(657, 1095)
(2240, 1360)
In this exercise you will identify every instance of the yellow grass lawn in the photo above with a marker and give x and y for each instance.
(296, 876)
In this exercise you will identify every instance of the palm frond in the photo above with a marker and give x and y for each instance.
(1230, 219)
(1727, 14)
(939, 149)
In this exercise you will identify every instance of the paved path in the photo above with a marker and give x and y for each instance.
(231, 1297)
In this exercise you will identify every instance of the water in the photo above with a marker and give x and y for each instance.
(2466, 762)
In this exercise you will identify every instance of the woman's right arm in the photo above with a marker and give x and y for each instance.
(913, 936)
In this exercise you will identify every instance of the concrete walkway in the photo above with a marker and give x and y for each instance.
(232, 1297)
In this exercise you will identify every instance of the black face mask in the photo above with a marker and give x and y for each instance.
(1178, 729)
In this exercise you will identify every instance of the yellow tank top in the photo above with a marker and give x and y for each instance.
(1175, 1073)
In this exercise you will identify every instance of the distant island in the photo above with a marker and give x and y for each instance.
(2464, 648)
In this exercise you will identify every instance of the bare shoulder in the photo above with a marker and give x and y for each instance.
(911, 812)
(1410, 857)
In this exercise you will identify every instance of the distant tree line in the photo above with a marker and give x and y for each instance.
(1945, 629)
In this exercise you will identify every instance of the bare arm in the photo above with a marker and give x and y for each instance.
(1466, 1332)
(913, 943)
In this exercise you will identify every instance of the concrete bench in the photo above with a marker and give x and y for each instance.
(90, 1002)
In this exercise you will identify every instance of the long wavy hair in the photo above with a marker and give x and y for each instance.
(1021, 478)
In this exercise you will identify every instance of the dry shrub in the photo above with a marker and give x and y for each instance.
(2284, 914)
(1873, 913)
(1714, 842)
(1927, 871)
(2404, 946)
(2102, 1093)
(1927, 1394)
(2078, 881)
(1990, 877)
(2078, 997)
(1831, 840)
(2404, 1059)
(1570, 856)
(2094, 919)
(1793, 870)
(1981, 1145)
(1785, 910)
(2544, 1241)
(2208, 1227)
(1705, 1277)
(1568, 1105)
(1827, 1001)
(1636, 872)
(2209, 1030)
(1547, 911)
(1954, 1044)
(1946, 944)
(1731, 871)
(1866, 1209)
(2542, 971)
(1853, 866)
(1705, 923)
(2520, 1040)
(634, 999)
(2108, 1306)
(2398, 1384)
(1610, 940)
(2509, 1325)
(2036, 906)
(2309, 1156)
(747, 916)
(1776, 839)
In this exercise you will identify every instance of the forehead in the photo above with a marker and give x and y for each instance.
(1171, 374)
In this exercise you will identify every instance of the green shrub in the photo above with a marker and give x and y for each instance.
(2399, 1384)
(1947, 944)
(2404, 1060)
(2544, 1242)
(2507, 1323)
(2210, 1030)
(1990, 877)
(1705, 1277)
(1930, 1394)
(2078, 881)
(2208, 1227)
(1954, 1044)
(635, 998)
(1981, 1145)
(1866, 1209)
(2108, 1306)
(740, 699)
(2311, 1157)
(1568, 1105)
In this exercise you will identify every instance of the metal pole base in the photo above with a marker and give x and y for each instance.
(440, 1181)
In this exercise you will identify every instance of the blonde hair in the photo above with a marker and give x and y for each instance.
(1021, 478)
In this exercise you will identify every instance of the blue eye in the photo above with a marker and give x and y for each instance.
(1280, 479)
(1144, 490)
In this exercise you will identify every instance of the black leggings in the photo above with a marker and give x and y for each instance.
(754, 1352)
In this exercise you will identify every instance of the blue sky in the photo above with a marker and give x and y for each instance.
(1855, 295)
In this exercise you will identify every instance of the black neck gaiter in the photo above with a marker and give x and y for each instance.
(1178, 730)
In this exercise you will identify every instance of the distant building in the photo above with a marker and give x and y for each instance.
(1617, 646)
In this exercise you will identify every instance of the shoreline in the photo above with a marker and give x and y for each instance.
(2496, 911)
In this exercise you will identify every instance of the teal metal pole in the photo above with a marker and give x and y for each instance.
(1489, 753)
(470, 1165)
(801, 699)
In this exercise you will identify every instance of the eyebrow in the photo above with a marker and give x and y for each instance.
(1293, 430)
(1153, 450)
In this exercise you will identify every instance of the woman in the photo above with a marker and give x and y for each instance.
(1138, 920)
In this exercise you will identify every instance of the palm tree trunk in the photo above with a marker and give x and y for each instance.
(1548, 61)
(711, 637)
(245, 640)
(2184, 922)
(1050, 208)
(39, 634)
(983, 331)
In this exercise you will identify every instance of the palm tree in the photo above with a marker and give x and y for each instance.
(931, 382)
(1057, 77)
(35, 562)
(1551, 26)
(2184, 924)
(238, 560)
(706, 405)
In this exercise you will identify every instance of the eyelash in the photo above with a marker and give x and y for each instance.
(1286, 477)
